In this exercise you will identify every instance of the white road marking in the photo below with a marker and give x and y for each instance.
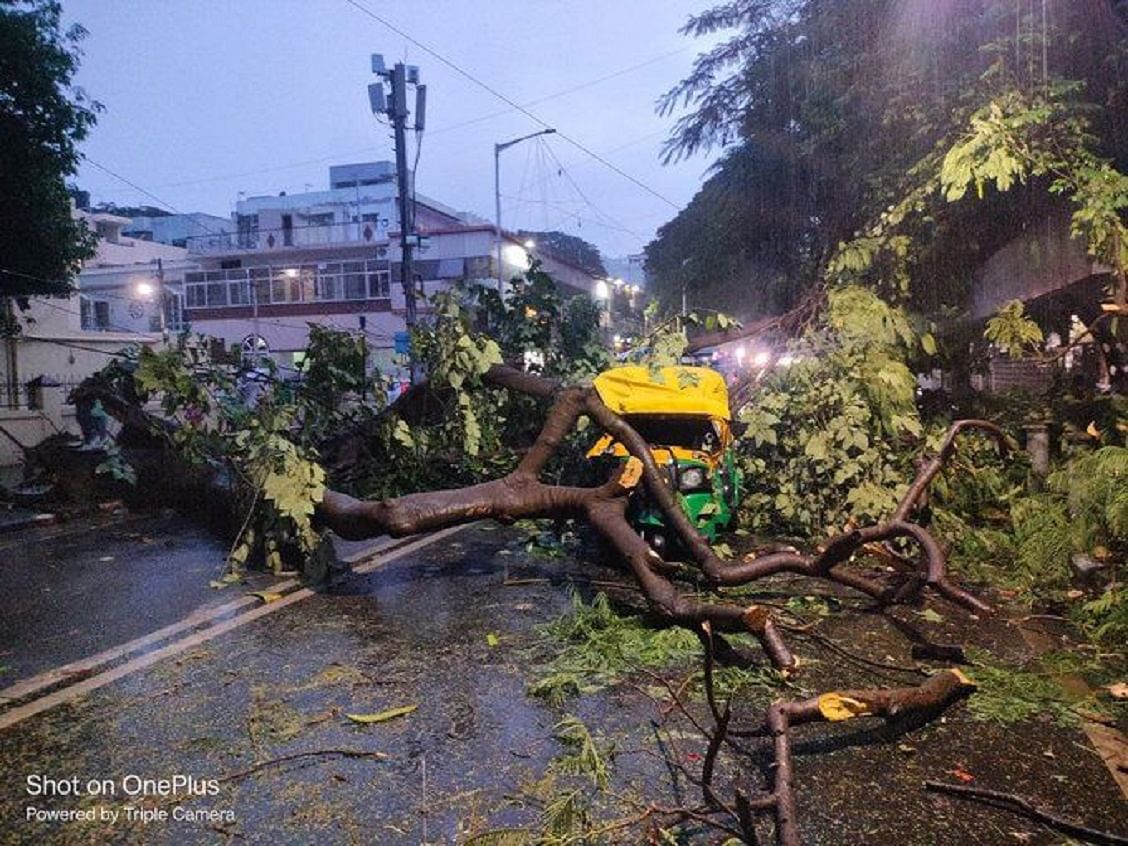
(201, 616)
(84, 686)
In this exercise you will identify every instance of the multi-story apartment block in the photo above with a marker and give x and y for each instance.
(333, 257)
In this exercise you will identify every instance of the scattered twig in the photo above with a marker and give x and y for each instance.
(861, 659)
(1021, 806)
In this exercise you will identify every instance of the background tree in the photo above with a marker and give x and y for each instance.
(42, 117)
(828, 110)
(570, 248)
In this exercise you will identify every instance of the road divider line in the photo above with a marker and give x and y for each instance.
(201, 616)
(90, 683)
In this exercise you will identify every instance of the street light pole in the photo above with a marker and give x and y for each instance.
(505, 145)
(161, 301)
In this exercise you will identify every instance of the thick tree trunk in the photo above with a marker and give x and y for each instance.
(522, 495)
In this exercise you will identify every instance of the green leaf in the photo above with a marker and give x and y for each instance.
(382, 716)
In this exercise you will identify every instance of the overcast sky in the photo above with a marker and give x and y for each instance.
(205, 99)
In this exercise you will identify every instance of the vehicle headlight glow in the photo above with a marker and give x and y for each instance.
(692, 479)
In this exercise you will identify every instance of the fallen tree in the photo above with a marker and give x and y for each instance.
(522, 495)
(267, 457)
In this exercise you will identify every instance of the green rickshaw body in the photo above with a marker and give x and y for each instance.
(682, 412)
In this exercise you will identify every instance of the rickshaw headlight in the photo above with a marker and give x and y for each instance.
(691, 479)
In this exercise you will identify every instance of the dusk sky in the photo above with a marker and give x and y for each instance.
(208, 99)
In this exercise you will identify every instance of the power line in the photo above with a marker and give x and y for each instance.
(151, 196)
(437, 131)
(582, 86)
(582, 147)
(583, 196)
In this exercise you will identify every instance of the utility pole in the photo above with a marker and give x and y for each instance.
(398, 115)
(398, 78)
(161, 301)
(497, 200)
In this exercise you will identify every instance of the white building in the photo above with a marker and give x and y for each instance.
(176, 229)
(329, 257)
(64, 340)
(333, 257)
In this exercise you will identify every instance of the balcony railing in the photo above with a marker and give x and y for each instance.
(339, 281)
(299, 235)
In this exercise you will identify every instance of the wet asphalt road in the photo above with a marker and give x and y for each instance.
(438, 629)
(76, 588)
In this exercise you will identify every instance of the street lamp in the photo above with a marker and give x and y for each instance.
(505, 145)
(149, 291)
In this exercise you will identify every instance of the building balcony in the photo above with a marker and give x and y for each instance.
(292, 237)
(312, 283)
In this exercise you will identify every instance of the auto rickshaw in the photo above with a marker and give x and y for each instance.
(683, 413)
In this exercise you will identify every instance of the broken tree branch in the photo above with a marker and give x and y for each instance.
(926, 700)
(521, 495)
(1021, 806)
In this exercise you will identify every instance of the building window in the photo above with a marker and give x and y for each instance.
(216, 294)
(174, 311)
(253, 349)
(353, 272)
(328, 282)
(101, 315)
(287, 230)
(248, 230)
(379, 285)
(303, 283)
(239, 292)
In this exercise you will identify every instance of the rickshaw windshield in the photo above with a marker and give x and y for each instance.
(697, 433)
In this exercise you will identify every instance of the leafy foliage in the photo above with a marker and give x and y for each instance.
(476, 432)
(595, 646)
(274, 473)
(537, 328)
(1023, 541)
(1010, 695)
(568, 247)
(42, 119)
(822, 444)
(1012, 331)
(456, 359)
(836, 118)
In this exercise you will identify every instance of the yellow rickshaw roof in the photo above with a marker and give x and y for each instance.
(669, 390)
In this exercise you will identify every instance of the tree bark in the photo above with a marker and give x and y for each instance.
(521, 495)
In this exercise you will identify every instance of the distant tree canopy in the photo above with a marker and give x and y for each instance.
(42, 118)
(569, 248)
(825, 107)
(132, 211)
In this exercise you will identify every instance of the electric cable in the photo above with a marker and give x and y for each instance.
(513, 104)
